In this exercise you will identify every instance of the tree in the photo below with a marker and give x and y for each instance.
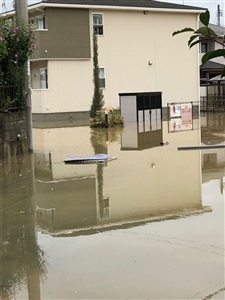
(98, 98)
(205, 32)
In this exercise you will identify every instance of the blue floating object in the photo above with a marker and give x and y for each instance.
(86, 159)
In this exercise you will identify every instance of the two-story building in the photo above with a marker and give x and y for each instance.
(212, 86)
(214, 66)
(136, 53)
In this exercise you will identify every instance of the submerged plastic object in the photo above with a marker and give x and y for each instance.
(86, 159)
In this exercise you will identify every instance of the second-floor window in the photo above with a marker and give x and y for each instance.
(39, 22)
(204, 47)
(98, 24)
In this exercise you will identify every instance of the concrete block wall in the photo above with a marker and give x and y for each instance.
(12, 124)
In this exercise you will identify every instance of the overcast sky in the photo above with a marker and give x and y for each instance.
(210, 4)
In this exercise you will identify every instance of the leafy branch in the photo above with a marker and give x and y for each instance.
(205, 32)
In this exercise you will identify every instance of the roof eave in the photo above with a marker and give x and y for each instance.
(42, 5)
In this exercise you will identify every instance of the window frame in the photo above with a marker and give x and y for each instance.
(102, 78)
(205, 45)
(39, 20)
(99, 25)
(46, 77)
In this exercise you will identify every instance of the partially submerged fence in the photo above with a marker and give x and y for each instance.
(212, 103)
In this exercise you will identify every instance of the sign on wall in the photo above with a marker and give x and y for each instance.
(180, 117)
(175, 110)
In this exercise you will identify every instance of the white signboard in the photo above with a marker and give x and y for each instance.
(175, 125)
(187, 124)
(186, 110)
(175, 110)
(181, 110)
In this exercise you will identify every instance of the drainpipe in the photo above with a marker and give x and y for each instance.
(22, 14)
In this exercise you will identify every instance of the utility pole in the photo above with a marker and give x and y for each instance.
(219, 14)
(22, 15)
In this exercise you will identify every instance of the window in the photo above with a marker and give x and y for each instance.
(39, 22)
(102, 77)
(204, 47)
(43, 79)
(98, 24)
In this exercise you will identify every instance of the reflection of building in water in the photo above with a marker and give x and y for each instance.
(143, 120)
(213, 166)
(67, 204)
(156, 181)
(213, 132)
(213, 160)
(137, 137)
(52, 146)
(22, 261)
(213, 128)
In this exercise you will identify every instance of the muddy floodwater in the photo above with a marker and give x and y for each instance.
(146, 224)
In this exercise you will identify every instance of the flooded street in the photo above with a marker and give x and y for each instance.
(149, 224)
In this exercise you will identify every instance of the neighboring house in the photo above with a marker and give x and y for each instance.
(213, 67)
(137, 54)
(212, 88)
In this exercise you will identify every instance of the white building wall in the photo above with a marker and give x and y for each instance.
(131, 39)
(70, 87)
(219, 60)
(214, 46)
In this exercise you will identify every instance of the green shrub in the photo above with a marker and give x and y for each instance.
(114, 119)
(7, 103)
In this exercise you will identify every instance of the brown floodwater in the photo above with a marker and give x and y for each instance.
(148, 224)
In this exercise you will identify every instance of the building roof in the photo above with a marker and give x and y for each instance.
(211, 65)
(218, 78)
(125, 3)
(220, 30)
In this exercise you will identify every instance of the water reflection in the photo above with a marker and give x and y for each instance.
(22, 260)
(143, 134)
(158, 183)
(213, 162)
(139, 187)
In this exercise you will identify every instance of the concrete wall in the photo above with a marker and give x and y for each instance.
(11, 124)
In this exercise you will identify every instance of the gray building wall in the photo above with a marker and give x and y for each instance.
(67, 34)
